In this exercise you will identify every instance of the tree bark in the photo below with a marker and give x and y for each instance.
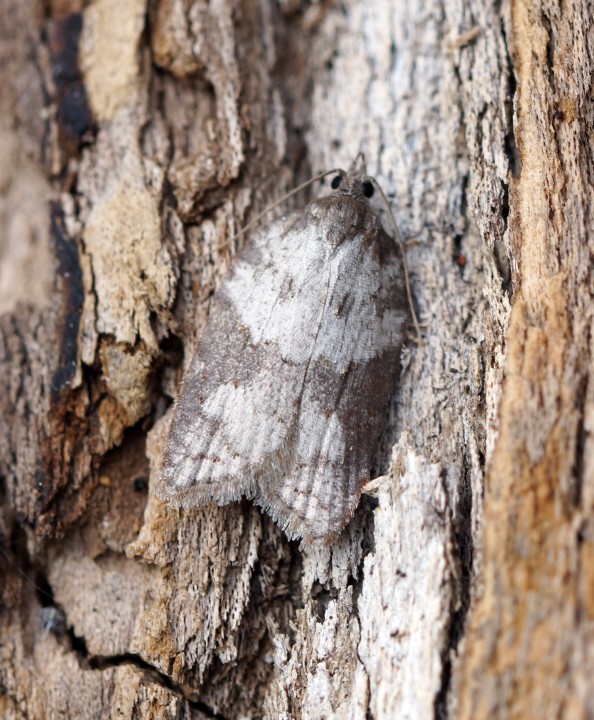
(137, 139)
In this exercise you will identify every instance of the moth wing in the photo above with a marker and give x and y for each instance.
(346, 393)
(235, 422)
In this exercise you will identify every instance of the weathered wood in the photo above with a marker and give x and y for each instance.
(136, 139)
(529, 639)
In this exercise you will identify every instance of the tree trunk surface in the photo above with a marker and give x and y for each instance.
(136, 139)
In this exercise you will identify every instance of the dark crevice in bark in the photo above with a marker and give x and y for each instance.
(509, 146)
(53, 618)
(550, 48)
(70, 273)
(74, 118)
(321, 597)
(500, 254)
(580, 447)
(458, 255)
(105, 662)
(57, 623)
(464, 551)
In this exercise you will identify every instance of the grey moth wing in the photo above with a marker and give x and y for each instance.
(285, 397)
(225, 431)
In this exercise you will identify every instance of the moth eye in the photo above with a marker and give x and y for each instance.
(368, 189)
(336, 182)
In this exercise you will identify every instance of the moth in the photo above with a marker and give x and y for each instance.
(285, 397)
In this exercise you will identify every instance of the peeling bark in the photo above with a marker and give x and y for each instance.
(137, 139)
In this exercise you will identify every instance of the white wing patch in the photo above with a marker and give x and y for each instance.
(283, 298)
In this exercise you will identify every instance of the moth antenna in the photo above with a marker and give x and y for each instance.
(358, 163)
(404, 262)
(281, 200)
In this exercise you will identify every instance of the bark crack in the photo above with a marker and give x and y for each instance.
(509, 145)
(463, 549)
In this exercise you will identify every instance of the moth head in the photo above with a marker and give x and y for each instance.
(355, 184)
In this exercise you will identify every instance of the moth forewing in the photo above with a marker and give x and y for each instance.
(285, 397)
